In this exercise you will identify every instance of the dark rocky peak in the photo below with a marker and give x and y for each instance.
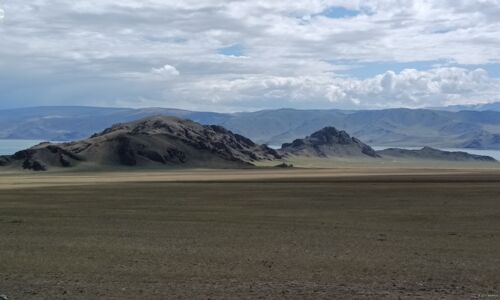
(330, 135)
(329, 142)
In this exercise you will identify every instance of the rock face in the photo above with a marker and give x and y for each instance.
(329, 142)
(428, 153)
(150, 142)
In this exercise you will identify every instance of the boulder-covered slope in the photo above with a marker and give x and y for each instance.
(329, 142)
(428, 153)
(150, 142)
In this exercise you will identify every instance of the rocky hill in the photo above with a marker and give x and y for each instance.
(150, 142)
(329, 142)
(428, 153)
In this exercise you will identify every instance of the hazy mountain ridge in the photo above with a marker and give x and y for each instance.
(390, 127)
(495, 106)
(70, 123)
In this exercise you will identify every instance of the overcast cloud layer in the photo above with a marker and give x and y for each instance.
(246, 55)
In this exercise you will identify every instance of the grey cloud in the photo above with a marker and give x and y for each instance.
(122, 43)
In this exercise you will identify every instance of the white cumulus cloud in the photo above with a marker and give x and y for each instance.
(166, 71)
(408, 88)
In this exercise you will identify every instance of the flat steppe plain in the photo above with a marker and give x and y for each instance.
(341, 233)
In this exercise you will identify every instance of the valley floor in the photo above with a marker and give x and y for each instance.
(346, 233)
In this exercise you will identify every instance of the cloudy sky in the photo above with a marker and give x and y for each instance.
(246, 55)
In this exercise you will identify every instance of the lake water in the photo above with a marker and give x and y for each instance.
(8, 147)
(493, 153)
(12, 146)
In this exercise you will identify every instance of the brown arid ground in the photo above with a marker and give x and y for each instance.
(343, 233)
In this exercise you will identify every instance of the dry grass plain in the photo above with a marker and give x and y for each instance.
(345, 233)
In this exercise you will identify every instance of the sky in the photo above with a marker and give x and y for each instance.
(248, 55)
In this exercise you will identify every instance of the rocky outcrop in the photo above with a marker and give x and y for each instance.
(151, 142)
(428, 153)
(329, 142)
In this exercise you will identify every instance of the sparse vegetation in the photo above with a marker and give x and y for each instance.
(250, 233)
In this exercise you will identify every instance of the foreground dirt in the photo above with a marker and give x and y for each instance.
(298, 234)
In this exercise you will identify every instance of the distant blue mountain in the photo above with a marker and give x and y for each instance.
(391, 127)
(495, 106)
(63, 123)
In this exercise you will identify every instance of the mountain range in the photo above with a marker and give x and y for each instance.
(170, 142)
(495, 106)
(389, 128)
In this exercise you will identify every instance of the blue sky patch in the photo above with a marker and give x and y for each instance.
(367, 70)
(339, 12)
(235, 50)
(493, 69)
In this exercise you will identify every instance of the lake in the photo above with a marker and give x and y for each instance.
(12, 146)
